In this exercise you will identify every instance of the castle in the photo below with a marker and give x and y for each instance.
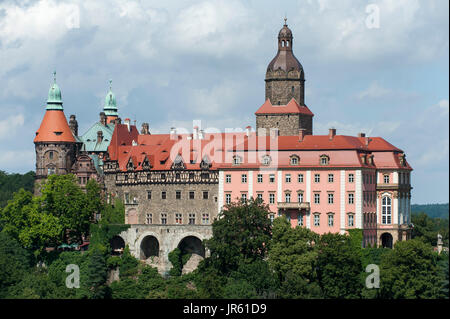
(174, 185)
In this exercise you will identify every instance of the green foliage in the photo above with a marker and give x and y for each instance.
(128, 264)
(339, 267)
(432, 210)
(15, 262)
(443, 275)
(11, 183)
(113, 214)
(426, 229)
(62, 214)
(409, 271)
(178, 260)
(97, 272)
(242, 232)
(293, 256)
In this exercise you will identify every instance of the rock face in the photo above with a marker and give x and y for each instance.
(192, 263)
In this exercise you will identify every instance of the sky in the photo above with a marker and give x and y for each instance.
(379, 67)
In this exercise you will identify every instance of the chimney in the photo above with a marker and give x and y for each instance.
(331, 133)
(248, 129)
(127, 123)
(361, 134)
(367, 141)
(102, 118)
(73, 124)
(202, 134)
(118, 120)
(145, 129)
(99, 136)
(301, 134)
(173, 133)
(195, 136)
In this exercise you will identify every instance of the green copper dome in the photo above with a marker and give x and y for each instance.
(54, 101)
(110, 107)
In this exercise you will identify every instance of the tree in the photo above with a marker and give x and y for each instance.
(15, 262)
(11, 183)
(339, 267)
(242, 231)
(409, 271)
(293, 256)
(97, 272)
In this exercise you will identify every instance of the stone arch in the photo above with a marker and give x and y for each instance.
(117, 244)
(386, 240)
(148, 247)
(192, 245)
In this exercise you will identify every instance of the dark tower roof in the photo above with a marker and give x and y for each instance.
(285, 58)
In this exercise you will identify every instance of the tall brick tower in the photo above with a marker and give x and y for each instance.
(285, 107)
(54, 143)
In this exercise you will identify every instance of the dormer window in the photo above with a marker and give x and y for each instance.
(324, 160)
(237, 160)
(266, 160)
(295, 160)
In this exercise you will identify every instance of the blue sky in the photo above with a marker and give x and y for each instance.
(172, 62)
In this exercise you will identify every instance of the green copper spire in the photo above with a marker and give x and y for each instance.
(110, 107)
(54, 101)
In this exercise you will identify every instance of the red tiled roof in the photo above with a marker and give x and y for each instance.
(54, 128)
(291, 108)
(162, 150)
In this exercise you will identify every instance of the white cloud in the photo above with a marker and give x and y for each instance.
(10, 125)
(374, 91)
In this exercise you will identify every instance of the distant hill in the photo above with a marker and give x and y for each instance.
(432, 210)
(11, 183)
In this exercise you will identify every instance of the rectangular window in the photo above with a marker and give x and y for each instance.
(272, 178)
(260, 178)
(244, 197)
(272, 198)
(127, 198)
(300, 197)
(205, 195)
(191, 219)
(351, 198)
(163, 195)
(330, 178)
(191, 195)
(300, 219)
(51, 156)
(149, 195)
(228, 199)
(330, 220)
(205, 219)
(163, 218)
(178, 218)
(350, 220)
(330, 198)
(351, 178)
(386, 179)
(300, 178)
(228, 179)
(259, 197)
(288, 178)
(287, 197)
(316, 178)
(244, 178)
(148, 218)
(317, 198)
(316, 220)
(272, 217)
(178, 194)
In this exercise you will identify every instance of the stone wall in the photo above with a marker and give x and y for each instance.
(168, 238)
(288, 124)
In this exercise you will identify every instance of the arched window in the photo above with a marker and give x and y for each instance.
(324, 159)
(294, 160)
(386, 210)
(237, 160)
(266, 160)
